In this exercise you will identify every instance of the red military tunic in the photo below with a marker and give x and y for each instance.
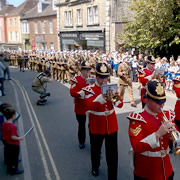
(77, 83)
(144, 76)
(149, 155)
(176, 87)
(102, 117)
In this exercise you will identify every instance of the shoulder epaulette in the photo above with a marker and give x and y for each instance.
(141, 71)
(88, 89)
(73, 79)
(136, 116)
(170, 113)
(177, 78)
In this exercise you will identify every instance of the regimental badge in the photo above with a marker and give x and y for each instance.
(103, 68)
(87, 64)
(136, 131)
(159, 89)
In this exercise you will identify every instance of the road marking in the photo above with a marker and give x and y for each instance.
(28, 104)
(25, 162)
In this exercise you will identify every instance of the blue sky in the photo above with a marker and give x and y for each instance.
(15, 2)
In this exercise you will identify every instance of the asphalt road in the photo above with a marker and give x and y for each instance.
(51, 150)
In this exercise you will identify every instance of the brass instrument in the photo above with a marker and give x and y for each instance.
(174, 136)
(110, 96)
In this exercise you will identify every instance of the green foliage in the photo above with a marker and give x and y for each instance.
(155, 25)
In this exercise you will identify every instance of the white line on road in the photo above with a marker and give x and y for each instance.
(27, 172)
(26, 98)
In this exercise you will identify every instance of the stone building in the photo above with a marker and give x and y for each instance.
(81, 24)
(90, 24)
(39, 27)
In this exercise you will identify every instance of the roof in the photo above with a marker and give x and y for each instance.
(6, 10)
(23, 8)
(33, 13)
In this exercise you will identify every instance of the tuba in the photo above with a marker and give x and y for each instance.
(174, 136)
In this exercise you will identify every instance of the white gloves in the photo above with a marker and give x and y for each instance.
(100, 99)
(82, 94)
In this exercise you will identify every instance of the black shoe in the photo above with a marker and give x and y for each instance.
(95, 172)
(43, 100)
(81, 146)
(44, 95)
(40, 103)
(16, 172)
(3, 94)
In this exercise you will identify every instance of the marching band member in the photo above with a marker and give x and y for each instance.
(102, 123)
(149, 136)
(145, 75)
(77, 83)
(176, 87)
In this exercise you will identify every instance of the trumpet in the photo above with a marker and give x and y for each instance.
(174, 136)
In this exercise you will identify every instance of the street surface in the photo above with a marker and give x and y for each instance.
(50, 151)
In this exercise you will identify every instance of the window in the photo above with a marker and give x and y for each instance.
(95, 14)
(50, 27)
(51, 46)
(10, 22)
(79, 16)
(35, 28)
(11, 36)
(92, 16)
(15, 22)
(43, 27)
(54, 4)
(68, 18)
(25, 27)
(16, 35)
(39, 7)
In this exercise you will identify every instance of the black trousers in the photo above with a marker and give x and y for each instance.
(139, 178)
(81, 128)
(11, 153)
(111, 148)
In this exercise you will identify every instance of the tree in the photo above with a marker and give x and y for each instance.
(155, 26)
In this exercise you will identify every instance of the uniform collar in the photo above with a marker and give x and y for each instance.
(149, 111)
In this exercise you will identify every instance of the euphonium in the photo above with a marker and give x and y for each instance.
(174, 136)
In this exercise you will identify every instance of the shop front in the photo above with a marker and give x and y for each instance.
(82, 40)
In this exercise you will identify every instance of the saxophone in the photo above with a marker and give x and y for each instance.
(174, 135)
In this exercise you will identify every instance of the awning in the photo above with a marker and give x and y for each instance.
(95, 43)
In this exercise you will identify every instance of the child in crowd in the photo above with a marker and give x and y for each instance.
(11, 141)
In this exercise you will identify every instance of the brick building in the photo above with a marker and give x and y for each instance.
(14, 35)
(39, 27)
(3, 25)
